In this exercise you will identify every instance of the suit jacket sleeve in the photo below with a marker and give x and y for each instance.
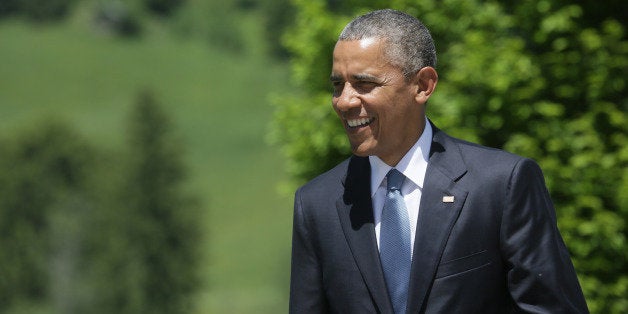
(540, 275)
(306, 288)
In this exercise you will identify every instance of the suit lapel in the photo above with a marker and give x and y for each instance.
(441, 202)
(356, 217)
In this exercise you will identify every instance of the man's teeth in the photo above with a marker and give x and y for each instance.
(358, 122)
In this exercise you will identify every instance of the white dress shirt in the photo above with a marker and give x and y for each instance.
(413, 165)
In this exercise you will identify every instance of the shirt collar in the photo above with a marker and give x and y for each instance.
(413, 164)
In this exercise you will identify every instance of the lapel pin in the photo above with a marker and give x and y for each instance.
(448, 199)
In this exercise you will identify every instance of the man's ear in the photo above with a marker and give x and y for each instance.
(426, 79)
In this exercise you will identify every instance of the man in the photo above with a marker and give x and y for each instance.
(417, 221)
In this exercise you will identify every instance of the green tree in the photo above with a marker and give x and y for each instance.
(118, 18)
(163, 7)
(43, 10)
(150, 253)
(44, 195)
(7, 7)
(544, 79)
(278, 15)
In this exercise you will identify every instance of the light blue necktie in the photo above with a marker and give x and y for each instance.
(394, 242)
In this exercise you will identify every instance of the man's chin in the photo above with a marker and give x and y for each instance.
(361, 152)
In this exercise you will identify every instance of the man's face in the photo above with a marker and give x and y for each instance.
(382, 112)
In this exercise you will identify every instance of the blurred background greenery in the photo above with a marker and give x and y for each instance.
(149, 148)
(136, 177)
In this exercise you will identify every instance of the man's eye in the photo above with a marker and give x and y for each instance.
(365, 87)
(338, 86)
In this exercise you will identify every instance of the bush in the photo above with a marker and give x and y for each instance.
(44, 178)
(116, 18)
(163, 7)
(44, 10)
(83, 231)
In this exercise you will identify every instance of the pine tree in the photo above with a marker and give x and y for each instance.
(152, 263)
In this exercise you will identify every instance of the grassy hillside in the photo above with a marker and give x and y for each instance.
(218, 101)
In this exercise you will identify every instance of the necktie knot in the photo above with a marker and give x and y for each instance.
(395, 179)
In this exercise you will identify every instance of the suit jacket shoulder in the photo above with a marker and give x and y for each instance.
(327, 180)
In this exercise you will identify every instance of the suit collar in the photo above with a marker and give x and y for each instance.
(445, 155)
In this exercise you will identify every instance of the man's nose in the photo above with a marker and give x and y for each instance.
(347, 99)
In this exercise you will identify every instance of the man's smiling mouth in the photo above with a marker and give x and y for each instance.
(355, 123)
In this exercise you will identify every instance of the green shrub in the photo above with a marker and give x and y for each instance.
(44, 177)
(84, 231)
(163, 7)
(45, 10)
(116, 18)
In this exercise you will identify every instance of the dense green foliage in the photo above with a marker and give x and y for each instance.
(37, 10)
(163, 7)
(43, 174)
(87, 233)
(278, 15)
(152, 257)
(162, 221)
(544, 79)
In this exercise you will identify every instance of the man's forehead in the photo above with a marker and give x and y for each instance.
(363, 42)
(361, 59)
(366, 42)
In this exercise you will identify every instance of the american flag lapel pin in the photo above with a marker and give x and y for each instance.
(448, 199)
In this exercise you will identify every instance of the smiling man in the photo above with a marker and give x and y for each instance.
(376, 101)
(417, 221)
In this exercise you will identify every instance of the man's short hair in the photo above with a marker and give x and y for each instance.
(409, 44)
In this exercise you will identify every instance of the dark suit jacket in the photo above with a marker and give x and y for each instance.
(494, 249)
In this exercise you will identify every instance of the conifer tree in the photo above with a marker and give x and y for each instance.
(152, 265)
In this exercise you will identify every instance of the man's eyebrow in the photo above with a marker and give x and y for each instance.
(365, 77)
(357, 77)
